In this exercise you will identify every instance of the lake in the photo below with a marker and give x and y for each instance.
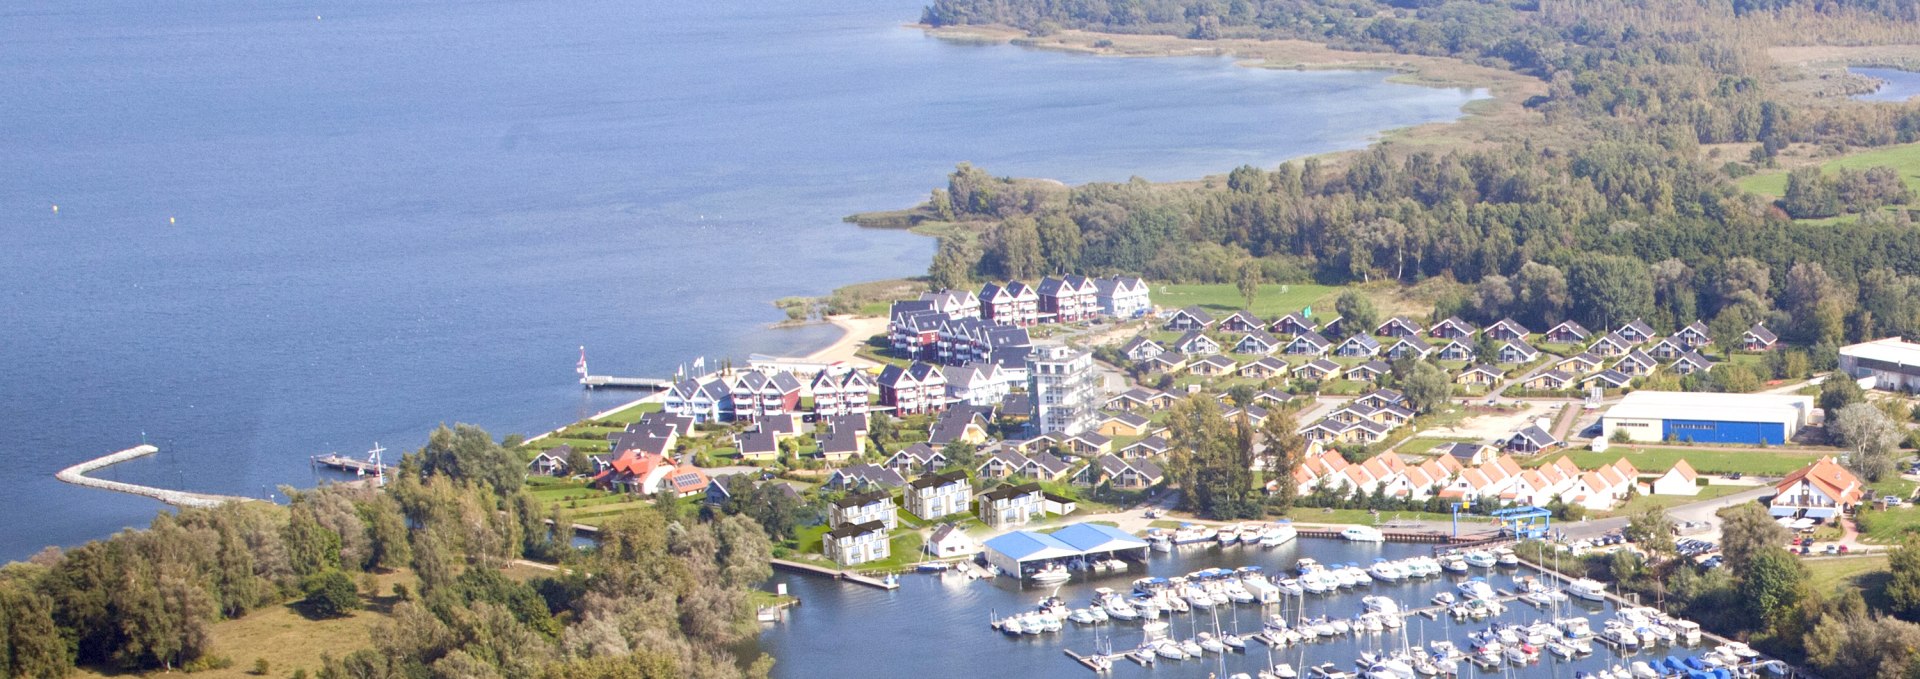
(938, 624)
(1896, 85)
(286, 229)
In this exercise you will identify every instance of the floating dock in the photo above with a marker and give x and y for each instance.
(849, 576)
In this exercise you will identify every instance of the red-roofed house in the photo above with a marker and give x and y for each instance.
(1821, 490)
(1680, 480)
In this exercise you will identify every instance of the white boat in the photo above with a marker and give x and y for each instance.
(1588, 589)
(1381, 604)
(1506, 557)
(1305, 566)
(1119, 609)
(1081, 616)
(1192, 648)
(1291, 587)
(1143, 655)
(1363, 534)
(1228, 535)
(1455, 565)
(1479, 559)
(1160, 543)
(1234, 642)
(1385, 571)
(1211, 644)
(1285, 671)
(1191, 534)
(1169, 649)
(1051, 573)
(1688, 630)
(1154, 627)
(1278, 534)
(1476, 589)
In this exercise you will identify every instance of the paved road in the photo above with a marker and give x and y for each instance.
(1697, 511)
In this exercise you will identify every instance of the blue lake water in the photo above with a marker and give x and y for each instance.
(290, 228)
(1896, 85)
(938, 624)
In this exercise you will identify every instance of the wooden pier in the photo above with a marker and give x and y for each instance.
(1423, 537)
(849, 576)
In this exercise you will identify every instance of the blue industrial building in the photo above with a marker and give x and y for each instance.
(1696, 417)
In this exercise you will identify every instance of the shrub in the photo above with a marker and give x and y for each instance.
(331, 594)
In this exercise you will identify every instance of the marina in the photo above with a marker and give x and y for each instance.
(1207, 608)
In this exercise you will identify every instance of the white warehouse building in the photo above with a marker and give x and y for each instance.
(1704, 417)
(1892, 364)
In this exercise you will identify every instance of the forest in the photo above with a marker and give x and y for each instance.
(663, 594)
(1610, 207)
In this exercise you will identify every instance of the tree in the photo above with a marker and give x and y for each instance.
(1357, 315)
(1903, 589)
(1285, 451)
(952, 266)
(1652, 530)
(1871, 435)
(30, 641)
(1809, 195)
(1248, 283)
(1839, 391)
(468, 453)
(1060, 242)
(1426, 387)
(1745, 530)
(1541, 292)
(1014, 249)
(1211, 459)
(330, 594)
(1612, 290)
(578, 464)
(1773, 583)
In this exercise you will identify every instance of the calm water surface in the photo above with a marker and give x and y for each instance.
(289, 228)
(935, 627)
(1896, 85)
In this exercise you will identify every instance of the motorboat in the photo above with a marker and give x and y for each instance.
(1227, 536)
(1291, 587)
(1051, 573)
(1476, 588)
(1284, 671)
(1233, 641)
(1506, 558)
(1576, 627)
(1386, 571)
(1192, 648)
(1381, 604)
(1160, 542)
(1190, 534)
(1641, 669)
(1305, 566)
(1143, 655)
(1687, 630)
(1479, 559)
(1444, 599)
(1278, 534)
(1119, 609)
(1455, 564)
(1211, 644)
(1589, 589)
(1363, 534)
(1171, 650)
(1011, 627)
(1081, 616)
(1154, 627)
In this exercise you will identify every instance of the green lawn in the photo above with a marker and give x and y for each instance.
(1905, 158)
(1643, 502)
(1888, 526)
(1868, 574)
(1703, 459)
(1273, 301)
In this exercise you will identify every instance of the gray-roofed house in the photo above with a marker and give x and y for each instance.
(1398, 326)
(1317, 370)
(757, 445)
(1551, 380)
(1120, 474)
(1610, 344)
(1467, 454)
(918, 458)
(1357, 346)
(1452, 328)
(1608, 379)
(855, 544)
(1010, 505)
(1151, 446)
(1195, 343)
(1190, 318)
(1758, 338)
(1308, 343)
(1123, 424)
(842, 445)
(1265, 367)
(1141, 348)
(1409, 347)
(960, 424)
(1516, 351)
(1567, 332)
(1455, 350)
(861, 477)
(1257, 341)
(937, 495)
(1508, 329)
(1213, 365)
(1370, 371)
(950, 541)
(1694, 336)
(1580, 363)
(1691, 362)
(1121, 296)
(1636, 331)
(1140, 399)
(1531, 439)
(1667, 349)
(1636, 363)
(551, 462)
(1241, 321)
(1291, 324)
(873, 505)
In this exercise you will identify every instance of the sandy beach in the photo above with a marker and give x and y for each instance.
(854, 331)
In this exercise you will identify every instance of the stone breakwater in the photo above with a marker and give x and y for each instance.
(77, 475)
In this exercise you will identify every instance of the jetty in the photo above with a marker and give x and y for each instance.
(350, 464)
(77, 475)
(849, 576)
(612, 382)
